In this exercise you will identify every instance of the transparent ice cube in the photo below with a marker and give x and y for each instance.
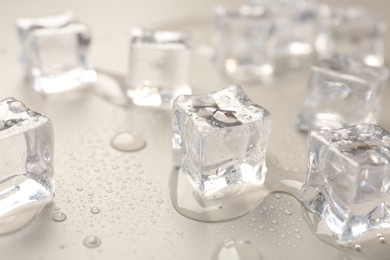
(295, 22)
(243, 42)
(26, 152)
(351, 31)
(220, 139)
(159, 66)
(54, 52)
(348, 179)
(342, 91)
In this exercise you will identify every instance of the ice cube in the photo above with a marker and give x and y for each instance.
(342, 91)
(26, 152)
(159, 66)
(295, 26)
(54, 52)
(348, 179)
(243, 42)
(220, 139)
(351, 31)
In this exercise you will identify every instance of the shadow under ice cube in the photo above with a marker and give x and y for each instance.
(342, 91)
(220, 139)
(54, 52)
(26, 152)
(348, 180)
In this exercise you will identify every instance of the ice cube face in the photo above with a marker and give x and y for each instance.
(26, 176)
(295, 26)
(220, 139)
(159, 67)
(54, 52)
(342, 91)
(348, 179)
(243, 42)
(352, 31)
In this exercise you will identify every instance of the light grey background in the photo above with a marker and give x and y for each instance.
(127, 187)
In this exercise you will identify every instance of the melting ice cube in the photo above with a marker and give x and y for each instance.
(26, 152)
(348, 179)
(220, 139)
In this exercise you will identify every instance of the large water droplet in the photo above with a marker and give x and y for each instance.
(128, 142)
(92, 241)
(58, 216)
(95, 210)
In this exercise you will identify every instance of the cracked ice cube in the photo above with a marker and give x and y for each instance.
(26, 152)
(342, 91)
(54, 52)
(220, 139)
(351, 31)
(159, 66)
(348, 179)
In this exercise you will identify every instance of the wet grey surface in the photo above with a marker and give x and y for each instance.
(136, 218)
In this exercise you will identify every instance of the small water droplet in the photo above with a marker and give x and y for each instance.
(79, 189)
(95, 210)
(128, 142)
(381, 238)
(159, 201)
(287, 212)
(17, 107)
(58, 216)
(92, 241)
(277, 195)
(358, 248)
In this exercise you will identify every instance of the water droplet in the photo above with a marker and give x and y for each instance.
(95, 210)
(358, 248)
(92, 241)
(17, 107)
(381, 238)
(128, 142)
(277, 195)
(58, 216)
(159, 201)
(79, 189)
(287, 212)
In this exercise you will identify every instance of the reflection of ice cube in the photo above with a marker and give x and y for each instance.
(352, 31)
(348, 179)
(26, 152)
(220, 139)
(159, 66)
(342, 91)
(55, 52)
